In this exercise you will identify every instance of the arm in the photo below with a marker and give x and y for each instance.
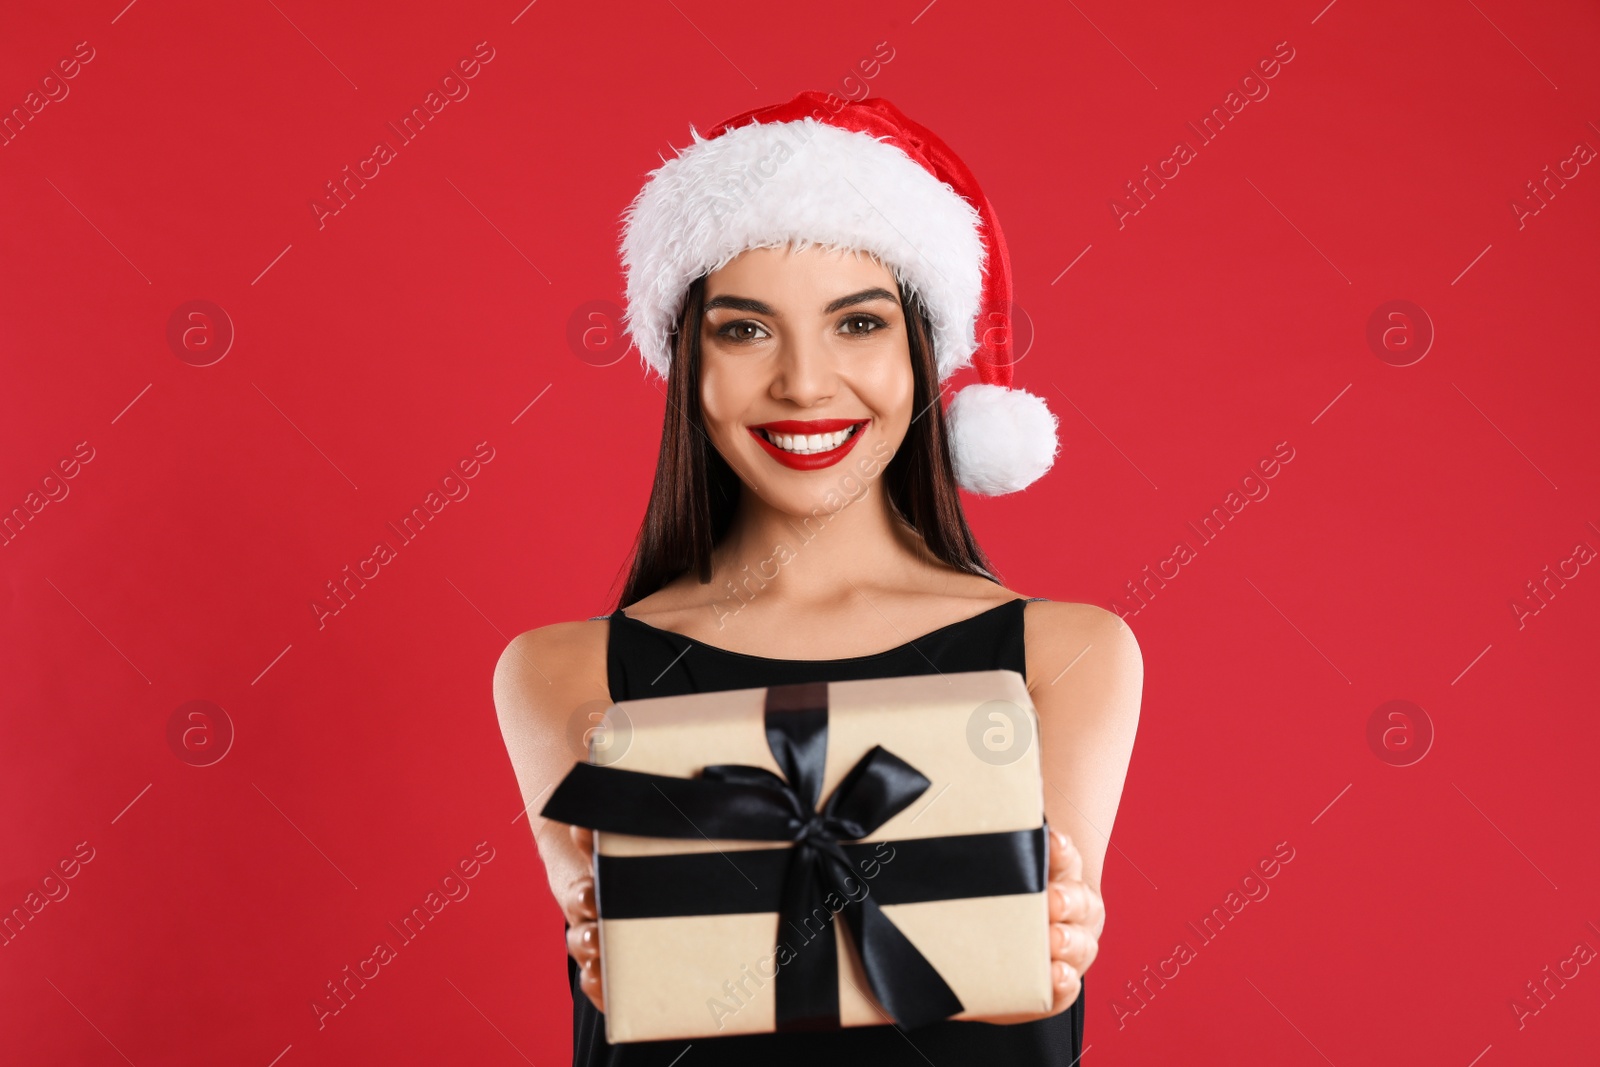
(545, 677)
(1088, 715)
(1086, 677)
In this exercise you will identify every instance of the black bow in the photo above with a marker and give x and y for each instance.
(739, 802)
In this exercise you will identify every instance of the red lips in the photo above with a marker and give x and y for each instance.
(816, 460)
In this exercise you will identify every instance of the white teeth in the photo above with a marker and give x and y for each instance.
(808, 444)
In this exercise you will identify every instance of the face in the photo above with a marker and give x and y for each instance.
(805, 371)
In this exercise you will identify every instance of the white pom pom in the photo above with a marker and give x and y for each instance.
(1002, 440)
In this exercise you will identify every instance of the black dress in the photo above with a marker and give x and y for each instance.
(644, 661)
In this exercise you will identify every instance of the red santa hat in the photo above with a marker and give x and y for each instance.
(862, 176)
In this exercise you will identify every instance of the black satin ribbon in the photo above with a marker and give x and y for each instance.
(738, 802)
(749, 881)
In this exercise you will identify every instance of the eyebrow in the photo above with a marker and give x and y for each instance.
(756, 307)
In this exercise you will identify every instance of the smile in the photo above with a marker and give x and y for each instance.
(809, 445)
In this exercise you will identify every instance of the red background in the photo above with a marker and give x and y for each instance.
(375, 352)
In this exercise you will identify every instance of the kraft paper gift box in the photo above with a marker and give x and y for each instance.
(815, 856)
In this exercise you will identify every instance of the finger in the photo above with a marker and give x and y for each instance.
(583, 906)
(1067, 984)
(583, 941)
(1061, 939)
(1066, 862)
(1085, 949)
(1073, 945)
(1067, 901)
(1096, 917)
(1073, 902)
(589, 982)
(583, 837)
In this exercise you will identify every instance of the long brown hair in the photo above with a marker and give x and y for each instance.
(696, 493)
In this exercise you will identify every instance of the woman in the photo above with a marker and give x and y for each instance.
(805, 279)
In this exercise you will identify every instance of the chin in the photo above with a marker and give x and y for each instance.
(807, 495)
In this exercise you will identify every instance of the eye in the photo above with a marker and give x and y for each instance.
(733, 331)
(872, 323)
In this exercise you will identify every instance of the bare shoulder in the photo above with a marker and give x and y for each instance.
(545, 680)
(1086, 678)
(1081, 646)
(551, 669)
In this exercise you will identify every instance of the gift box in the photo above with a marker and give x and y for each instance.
(816, 856)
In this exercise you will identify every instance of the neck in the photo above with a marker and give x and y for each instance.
(842, 550)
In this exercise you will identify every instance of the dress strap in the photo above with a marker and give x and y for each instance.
(1032, 599)
(616, 679)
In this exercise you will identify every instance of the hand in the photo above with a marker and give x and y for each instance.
(583, 932)
(1077, 915)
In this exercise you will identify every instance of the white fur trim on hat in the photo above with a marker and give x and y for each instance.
(806, 182)
(1001, 440)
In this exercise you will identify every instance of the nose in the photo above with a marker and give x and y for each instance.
(805, 373)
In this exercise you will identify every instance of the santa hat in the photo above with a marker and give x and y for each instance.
(862, 176)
